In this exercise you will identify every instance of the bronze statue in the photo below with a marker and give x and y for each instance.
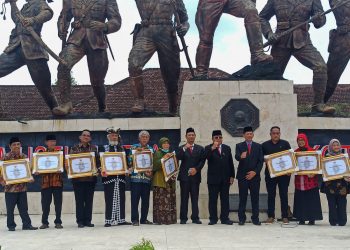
(207, 18)
(88, 37)
(156, 33)
(23, 49)
(339, 46)
(290, 13)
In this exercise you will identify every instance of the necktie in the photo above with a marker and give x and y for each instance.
(249, 147)
(191, 149)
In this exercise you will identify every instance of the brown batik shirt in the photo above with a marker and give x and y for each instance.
(54, 180)
(14, 188)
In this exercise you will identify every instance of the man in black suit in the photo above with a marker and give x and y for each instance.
(250, 156)
(192, 161)
(221, 174)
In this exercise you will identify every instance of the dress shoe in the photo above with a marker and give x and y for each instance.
(256, 223)
(58, 226)
(311, 223)
(285, 221)
(212, 223)
(80, 225)
(108, 225)
(183, 222)
(125, 223)
(135, 223)
(241, 223)
(44, 226)
(270, 220)
(12, 229)
(227, 222)
(301, 222)
(196, 222)
(30, 228)
(146, 222)
(89, 225)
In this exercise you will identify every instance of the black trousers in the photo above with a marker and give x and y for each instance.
(337, 209)
(46, 199)
(189, 188)
(254, 188)
(214, 191)
(139, 191)
(19, 199)
(114, 202)
(271, 184)
(84, 198)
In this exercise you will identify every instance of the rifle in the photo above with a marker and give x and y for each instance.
(287, 32)
(32, 32)
(183, 42)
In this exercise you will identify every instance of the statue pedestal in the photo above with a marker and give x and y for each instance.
(201, 108)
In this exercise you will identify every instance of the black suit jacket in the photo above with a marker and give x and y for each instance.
(220, 166)
(253, 162)
(196, 160)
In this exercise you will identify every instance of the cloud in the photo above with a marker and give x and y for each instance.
(231, 51)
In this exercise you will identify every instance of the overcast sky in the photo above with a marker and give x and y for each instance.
(230, 54)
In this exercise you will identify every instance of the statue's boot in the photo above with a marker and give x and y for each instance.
(255, 41)
(64, 86)
(63, 109)
(319, 107)
(100, 94)
(328, 94)
(172, 99)
(137, 89)
(322, 108)
(203, 60)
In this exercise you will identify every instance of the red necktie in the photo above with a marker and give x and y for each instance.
(249, 147)
(191, 149)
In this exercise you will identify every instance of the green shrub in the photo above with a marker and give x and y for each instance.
(143, 245)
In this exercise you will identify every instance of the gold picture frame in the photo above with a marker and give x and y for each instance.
(170, 166)
(81, 165)
(281, 163)
(16, 171)
(143, 160)
(308, 162)
(114, 163)
(335, 167)
(48, 162)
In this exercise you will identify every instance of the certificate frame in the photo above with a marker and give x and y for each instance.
(58, 155)
(4, 165)
(121, 155)
(137, 167)
(316, 154)
(90, 156)
(344, 158)
(172, 160)
(287, 155)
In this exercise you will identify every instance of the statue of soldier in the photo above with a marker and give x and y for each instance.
(23, 49)
(156, 34)
(207, 18)
(88, 37)
(339, 47)
(298, 43)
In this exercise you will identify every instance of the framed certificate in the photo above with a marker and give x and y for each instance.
(308, 162)
(335, 167)
(16, 171)
(143, 160)
(281, 163)
(114, 163)
(170, 166)
(81, 165)
(48, 162)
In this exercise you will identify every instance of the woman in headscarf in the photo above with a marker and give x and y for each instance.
(336, 191)
(164, 193)
(307, 203)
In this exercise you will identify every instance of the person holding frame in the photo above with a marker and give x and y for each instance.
(336, 191)
(307, 203)
(114, 185)
(16, 194)
(164, 192)
(51, 186)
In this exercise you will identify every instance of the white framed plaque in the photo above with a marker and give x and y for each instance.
(114, 163)
(143, 160)
(170, 166)
(335, 167)
(308, 162)
(81, 165)
(48, 162)
(16, 171)
(281, 163)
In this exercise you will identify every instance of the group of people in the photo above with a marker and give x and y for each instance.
(220, 176)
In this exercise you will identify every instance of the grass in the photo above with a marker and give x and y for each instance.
(143, 245)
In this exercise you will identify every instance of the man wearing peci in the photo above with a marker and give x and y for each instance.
(250, 157)
(221, 174)
(192, 161)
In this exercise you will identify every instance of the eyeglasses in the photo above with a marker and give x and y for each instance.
(217, 137)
